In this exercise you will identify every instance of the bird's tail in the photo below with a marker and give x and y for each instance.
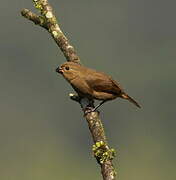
(125, 96)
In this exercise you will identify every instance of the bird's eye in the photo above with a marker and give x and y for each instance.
(67, 68)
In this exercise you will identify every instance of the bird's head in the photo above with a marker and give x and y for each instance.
(69, 70)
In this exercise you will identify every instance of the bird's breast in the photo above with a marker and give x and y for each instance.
(81, 87)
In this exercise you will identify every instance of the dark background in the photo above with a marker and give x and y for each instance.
(43, 134)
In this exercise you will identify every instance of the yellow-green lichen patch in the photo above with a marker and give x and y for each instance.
(102, 152)
(37, 5)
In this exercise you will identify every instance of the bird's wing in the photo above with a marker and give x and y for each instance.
(102, 83)
(81, 87)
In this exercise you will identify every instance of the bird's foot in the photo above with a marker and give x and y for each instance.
(89, 110)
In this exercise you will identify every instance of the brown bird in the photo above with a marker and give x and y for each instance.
(92, 84)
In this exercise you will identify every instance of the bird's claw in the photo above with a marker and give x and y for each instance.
(89, 110)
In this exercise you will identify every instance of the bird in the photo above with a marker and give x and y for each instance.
(92, 84)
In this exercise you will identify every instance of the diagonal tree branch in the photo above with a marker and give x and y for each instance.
(48, 21)
(103, 154)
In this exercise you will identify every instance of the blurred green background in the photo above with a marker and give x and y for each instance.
(43, 134)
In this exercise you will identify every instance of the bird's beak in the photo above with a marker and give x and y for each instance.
(59, 70)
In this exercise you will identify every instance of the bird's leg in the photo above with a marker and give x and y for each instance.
(96, 107)
(89, 109)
